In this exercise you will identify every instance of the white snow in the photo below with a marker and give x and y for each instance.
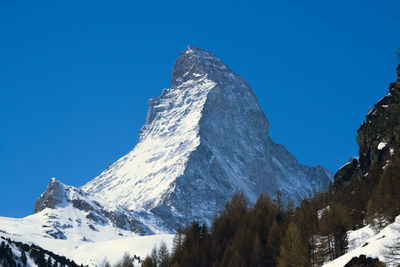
(143, 176)
(106, 244)
(366, 241)
(381, 145)
(321, 211)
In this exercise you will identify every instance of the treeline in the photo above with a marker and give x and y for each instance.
(7, 256)
(272, 233)
(384, 204)
(41, 257)
(268, 233)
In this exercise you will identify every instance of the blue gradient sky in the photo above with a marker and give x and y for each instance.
(75, 77)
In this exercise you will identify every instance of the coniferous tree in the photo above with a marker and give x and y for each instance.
(148, 262)
(163, 256)
(154, 256)
(293, 252)
(236, 260)
(126, 261)
(23, 258)
(258, 257)
(278, 200)
(262, 217)
(273, 244)
(384, 206)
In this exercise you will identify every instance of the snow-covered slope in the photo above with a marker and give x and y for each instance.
(67, 212)
(204, 138)
(82, 227)
(86, 253)
(365, 241)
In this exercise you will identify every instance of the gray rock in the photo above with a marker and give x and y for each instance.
(52, 197)
(210, 123)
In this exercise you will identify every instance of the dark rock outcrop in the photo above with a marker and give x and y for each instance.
(378, 139)
(53, 196)
(364, 261)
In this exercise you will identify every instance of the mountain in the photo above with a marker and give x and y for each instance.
(204, 138)
(68, 212)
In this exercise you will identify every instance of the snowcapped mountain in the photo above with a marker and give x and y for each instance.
(81, 227)
(204, 138)
(68, 212)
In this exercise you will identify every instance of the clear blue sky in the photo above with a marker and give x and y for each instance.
(75, 77)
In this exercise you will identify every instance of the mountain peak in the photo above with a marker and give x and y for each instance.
(204, 138)
(195, 64)
(53, 196)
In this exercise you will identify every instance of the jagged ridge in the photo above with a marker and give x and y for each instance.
(204, 138)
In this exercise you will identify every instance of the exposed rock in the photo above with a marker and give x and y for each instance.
(378, 139)
(53, 196)
(204, 138)
(364, 261)
(81, 205)
(63, 198)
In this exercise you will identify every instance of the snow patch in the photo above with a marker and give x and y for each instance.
(365, 241)
(381, 145)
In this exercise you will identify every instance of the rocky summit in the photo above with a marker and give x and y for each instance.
(204, 138)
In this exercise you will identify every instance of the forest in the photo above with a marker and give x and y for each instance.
(272, 233)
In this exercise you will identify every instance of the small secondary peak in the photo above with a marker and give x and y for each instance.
(53, 196)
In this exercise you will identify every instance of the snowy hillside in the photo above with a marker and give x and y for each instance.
(74, 224)
(365, 241)
(68, 212)
(106, 245)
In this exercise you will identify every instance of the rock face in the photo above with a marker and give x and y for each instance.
(52, 197)
(204, 138)
(378, 137)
